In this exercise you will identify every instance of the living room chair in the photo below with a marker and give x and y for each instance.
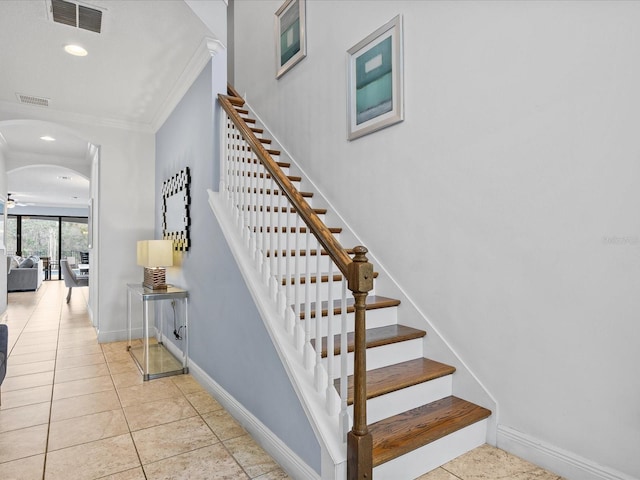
(4, 352)
(71, 279)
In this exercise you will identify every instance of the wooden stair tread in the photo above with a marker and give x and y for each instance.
(235, 101)
(407, 431)
(257, 130)
(295, 253)
(292, 178)
(268, 191)
(232, 92)
(291, 229)
(260, 139)
(373, 302)
(318, 211)
(280, 164)
(376, 337)
(323, 278)
(396, 377)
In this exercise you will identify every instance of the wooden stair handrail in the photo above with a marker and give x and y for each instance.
(310, 218)
(359, 274)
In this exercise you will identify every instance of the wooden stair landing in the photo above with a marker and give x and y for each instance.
(407, 431)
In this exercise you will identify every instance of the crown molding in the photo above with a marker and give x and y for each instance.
(61, 116)
(208, 48)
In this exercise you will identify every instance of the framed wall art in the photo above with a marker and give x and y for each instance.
(291, 42)
(375, 81)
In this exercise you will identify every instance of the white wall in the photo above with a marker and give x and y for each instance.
(506, 202)
(3, 248)
(126, 210)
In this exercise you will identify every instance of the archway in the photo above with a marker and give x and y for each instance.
(34, 156)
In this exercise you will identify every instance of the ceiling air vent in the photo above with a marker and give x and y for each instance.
(31, 100)
(76, 15)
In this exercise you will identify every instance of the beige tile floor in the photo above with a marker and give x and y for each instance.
(75, 409)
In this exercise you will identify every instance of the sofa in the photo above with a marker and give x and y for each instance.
(24, 274)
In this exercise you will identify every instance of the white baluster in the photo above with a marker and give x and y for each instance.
(297, 298)
(273, 241)
(244, 193)
(253, 205)
(282, 255)
(320, 372)
(290, 318)
(266, 272)
(344, 414)
(332, 399)
(308, 349)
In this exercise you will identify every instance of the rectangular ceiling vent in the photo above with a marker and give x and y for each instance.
(76, 15)
(32, 100)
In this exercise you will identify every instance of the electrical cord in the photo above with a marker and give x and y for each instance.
(176, 329)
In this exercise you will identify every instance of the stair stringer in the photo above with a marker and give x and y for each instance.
(435, 346)
(325, 427)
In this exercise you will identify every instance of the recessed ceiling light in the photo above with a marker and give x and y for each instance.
(64, 177)
(48, 138)
(76, 50)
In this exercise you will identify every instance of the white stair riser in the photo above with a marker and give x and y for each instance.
(250, 195)
(300, 262)
(278, 240)
(380, 317)
(385, 355)
(248, 184)
(278, 219)
(433, 455)
(253, 169)
(324, 292)
(406, 399)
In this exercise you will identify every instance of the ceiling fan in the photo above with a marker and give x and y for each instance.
(12, 202)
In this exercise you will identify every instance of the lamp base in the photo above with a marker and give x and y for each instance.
(155, 278)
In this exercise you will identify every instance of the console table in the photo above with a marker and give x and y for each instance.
(153, 358)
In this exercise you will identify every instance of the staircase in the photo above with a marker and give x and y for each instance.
(415, 422)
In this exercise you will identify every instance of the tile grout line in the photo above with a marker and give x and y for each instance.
(53, 381)
(126, 419)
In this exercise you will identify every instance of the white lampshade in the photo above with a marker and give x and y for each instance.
(155, 253)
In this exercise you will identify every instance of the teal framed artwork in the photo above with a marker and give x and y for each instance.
(375, 81)
(291, 42)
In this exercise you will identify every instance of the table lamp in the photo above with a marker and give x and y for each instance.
(154, 256)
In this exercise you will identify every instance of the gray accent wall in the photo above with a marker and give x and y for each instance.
(227, 338)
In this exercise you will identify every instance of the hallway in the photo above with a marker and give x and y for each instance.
(74, 409)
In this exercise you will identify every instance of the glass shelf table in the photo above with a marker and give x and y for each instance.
(152, 357)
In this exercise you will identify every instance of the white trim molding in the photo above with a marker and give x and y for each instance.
(208, 48)
(279, 451)
(557, 460)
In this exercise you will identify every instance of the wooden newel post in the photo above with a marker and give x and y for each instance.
(359, 440)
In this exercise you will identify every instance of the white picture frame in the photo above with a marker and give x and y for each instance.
(291, 38)
(375, 83)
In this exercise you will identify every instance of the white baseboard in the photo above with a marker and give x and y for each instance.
(559, 461)
(118, 335)
(281, 453)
